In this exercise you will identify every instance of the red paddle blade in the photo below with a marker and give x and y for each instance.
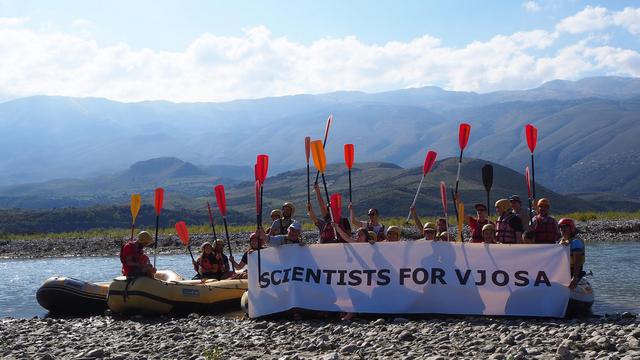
(263, 167)
(221, 199)
(527, 178)
(443, 195)
(336, 206)
(326, 129)
(307, 148)
(257, 197)
(256, 173)
(159, 199)
(348, 155)
(532, 136)
(463, 135)
(183, 233)
(429, 161)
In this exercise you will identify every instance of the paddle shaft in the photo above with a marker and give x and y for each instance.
(326, 192)
(155, 244)
(415, 198)
(226, 231)
(488, 202)
(190, 253)
(455, 201)
(213, 226)
(533, 177)
(308, 184)
(133, 226)
(350, 199)
(324, 144)
(530, 211)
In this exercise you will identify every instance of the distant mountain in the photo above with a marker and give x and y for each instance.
(587, 130)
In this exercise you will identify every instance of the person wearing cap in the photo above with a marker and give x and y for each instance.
(429, 232)
(292, 237)
(439, 228)
(576, 249)
(275, 215)
(477, 223)
(516, 206)
(253, 245)
(327, 234)
(393, 233)
(280, 226)
(508, 226)
(544, 227)
(372, 225)
(204, 265)
(134, 261)
(489, 233)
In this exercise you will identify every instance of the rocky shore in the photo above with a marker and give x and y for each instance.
(591, 232)
(210, 337)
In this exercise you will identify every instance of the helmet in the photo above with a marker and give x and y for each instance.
(489, 227)
(219, 242)
(293, 208)
(515, 198)
(204, 244)
(568, 222)
(543, 201)
(393, 229)
(430, 226)
(372, 236)
(144, 238)
(503, 204)
(276, 212)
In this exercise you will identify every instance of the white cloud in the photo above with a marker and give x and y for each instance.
(10, 22)
(598, 18)
(259, 64)
(531, 6)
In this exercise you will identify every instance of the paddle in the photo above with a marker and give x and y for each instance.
(429, 160)
(183, 233)
(487, 180)
(527, 179)
(262, 167)
(443, 197)
(258, 205)
(532, 139)
(348, 159)
(135, 208)
(319, 160)
(324, 143)
(463, 139)
(460, 220)
(307, 152)
(159, 199)
(213, 226)
(336, 210)
(221, 199)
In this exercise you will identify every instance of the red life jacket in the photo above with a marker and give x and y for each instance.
(206, 262)
(327, 235)
(133, 250)
(476, 235)
(504, 232)
(545, 229)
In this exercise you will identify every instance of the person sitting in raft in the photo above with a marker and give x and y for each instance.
(543, 225)
(327, 235)
(253, 245)
(508, 226)
(221, 265)
(576, 249)
(429, 231)
(516, 206)
(372, 225)
(489, 234)
(393, 233)
(205, 263)
(275, 215)
(362, 235)
(280, 226)
(477, 223)
(134, 262)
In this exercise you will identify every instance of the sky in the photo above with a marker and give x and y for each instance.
(187, 51)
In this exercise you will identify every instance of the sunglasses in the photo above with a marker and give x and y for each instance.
(372, 214)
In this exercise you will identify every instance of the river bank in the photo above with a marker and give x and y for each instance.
(210, 337)
(592, 232)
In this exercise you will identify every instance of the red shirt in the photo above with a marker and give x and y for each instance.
(133, 250)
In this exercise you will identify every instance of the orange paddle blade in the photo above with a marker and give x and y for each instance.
(135, 206)
(221, 199)
(428, 162)
(183, 233)
(463, 135)
(348, 155)
(532, 136)
(159, 199)
(319, 159)
(307, 147)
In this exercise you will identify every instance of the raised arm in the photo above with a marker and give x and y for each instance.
(352, 214)
(311, 214)
(343, 234)
(416, 219)
(321, 203)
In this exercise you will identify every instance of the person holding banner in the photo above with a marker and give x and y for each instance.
(281, 226)
(576, 249)
(327, 234)
(429, 231)
(477, 223)
(516, 205)
(372, 225)
(253, 245)
(293, 236)
(489, 234)
(275, 215)
(362, 235)
(543, 225)
(393, 233)
(509, 227)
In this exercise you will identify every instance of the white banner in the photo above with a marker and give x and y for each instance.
(412, 277)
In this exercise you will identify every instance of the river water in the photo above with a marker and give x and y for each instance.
(615, 277)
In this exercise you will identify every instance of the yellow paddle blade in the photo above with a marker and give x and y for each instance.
(135, 206)
(460, 220)
(318, 155)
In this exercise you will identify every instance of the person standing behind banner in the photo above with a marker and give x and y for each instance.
(293, 236)
(477, 224)
(253, 245)
(544, 227)
(489, 234)
(508, 226)
(281, 226)
(327, 234)
(429, 232)
(441, 230)
(516, 206)
(362, 235)
(275, 215)
(393, 233)
(372, 225)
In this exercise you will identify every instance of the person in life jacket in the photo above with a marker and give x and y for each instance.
(275, 215)
(372, 225)
(327, 235)
(280, 226)
(508, 226)
(544, 227)
(221, 266)
(477, 223)
(429, 231)
(576, 249)
(254, 239)
(293, 236)
(516, 206)
(134, 261)
(204, 266)
(489, 233)
(442, 232)
(393, 233)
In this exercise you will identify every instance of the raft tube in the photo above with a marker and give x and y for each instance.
(581, 299)
(68, 296)
(168, 292)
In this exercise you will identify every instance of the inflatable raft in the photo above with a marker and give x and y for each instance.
(580, 299)
(168, 292)
(62, 295)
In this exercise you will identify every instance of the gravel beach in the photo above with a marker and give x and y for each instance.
(591, 232)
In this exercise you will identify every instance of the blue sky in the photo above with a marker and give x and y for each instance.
(222, 50)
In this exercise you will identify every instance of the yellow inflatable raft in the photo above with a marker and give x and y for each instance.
(62, 295)
(168, 292)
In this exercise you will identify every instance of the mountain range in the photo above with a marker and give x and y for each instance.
(587, 132)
